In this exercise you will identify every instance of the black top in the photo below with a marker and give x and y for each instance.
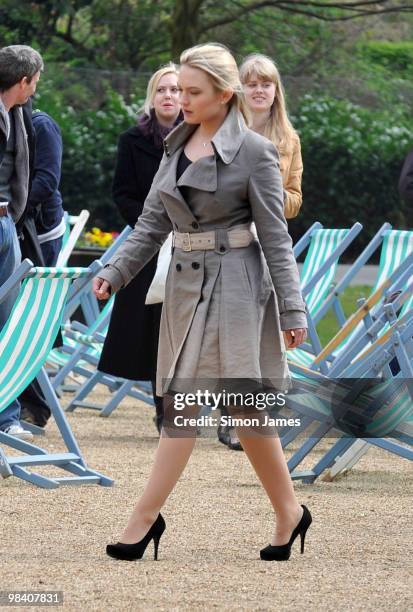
(183, 163)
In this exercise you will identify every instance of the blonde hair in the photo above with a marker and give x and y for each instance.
(153, 85)
(278, 128)
(217, 61)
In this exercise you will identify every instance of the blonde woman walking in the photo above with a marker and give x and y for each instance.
(225, 311)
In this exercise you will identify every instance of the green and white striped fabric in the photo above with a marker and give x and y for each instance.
(323, 243)
(396, 246)
(59, 358)
(30, 331)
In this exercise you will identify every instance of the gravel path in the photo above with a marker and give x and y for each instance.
(358, 550)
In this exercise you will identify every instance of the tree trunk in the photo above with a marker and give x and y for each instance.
(184, 26)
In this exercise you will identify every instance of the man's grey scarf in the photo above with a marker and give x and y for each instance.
(20, 179)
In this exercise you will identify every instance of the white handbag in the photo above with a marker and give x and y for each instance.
(156, 292)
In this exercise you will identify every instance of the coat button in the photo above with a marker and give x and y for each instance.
(195, 265)
(178, 267)
(195, 225)
(222, 248)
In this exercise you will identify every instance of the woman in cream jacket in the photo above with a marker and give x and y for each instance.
(264, 96)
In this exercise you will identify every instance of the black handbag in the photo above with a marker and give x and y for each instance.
(29, 242)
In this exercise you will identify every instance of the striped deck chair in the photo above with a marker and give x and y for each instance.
(365, 360)
(91, 311)
(325, 246)
(79, 348)
(396, 246)
(317, 275)
(80, 355)
(25, 341)
(87, 301)
(380, 416)
(391, 354)
(369, 329)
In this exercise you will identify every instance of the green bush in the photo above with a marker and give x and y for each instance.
(396, 56)
(352, 160)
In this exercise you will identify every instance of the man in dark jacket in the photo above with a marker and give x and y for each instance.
(45, 197)
(20, 68)
(406, 180)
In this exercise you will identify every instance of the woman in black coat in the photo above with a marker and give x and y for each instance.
(131, 345)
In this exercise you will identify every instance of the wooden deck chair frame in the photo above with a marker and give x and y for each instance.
(25, 341)
(74, 227)
(120, 387)
(375, 360)
(87, 301)
(399, 440)
(369, 331)
(88, 342)
(327, 355)
(372, 362)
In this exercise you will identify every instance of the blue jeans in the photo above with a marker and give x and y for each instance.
(10, 258)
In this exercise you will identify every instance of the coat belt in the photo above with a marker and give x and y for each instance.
(238, 237)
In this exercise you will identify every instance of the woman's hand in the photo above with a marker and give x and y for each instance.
(295, 337)
(101, 288)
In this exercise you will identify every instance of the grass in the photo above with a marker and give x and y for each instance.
(328, 327)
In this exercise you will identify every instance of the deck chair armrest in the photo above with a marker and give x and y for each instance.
(304, 241)
(15, 279)
(99, 337)
(76, 326)
(107, 255)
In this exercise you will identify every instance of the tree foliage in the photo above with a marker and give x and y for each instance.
(131, 33)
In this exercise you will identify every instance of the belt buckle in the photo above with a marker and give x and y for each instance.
(187, 247)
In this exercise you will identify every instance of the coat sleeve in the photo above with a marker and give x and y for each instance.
(292, 184)
(265, 192)
(150, 232)
(125, 190)
(406, 180)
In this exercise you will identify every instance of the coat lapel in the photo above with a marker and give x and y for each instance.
(167, 186)
(201, 174)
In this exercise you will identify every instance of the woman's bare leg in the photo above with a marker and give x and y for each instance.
(267, 458)
(172, 455)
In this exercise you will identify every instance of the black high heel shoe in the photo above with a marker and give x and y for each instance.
(283, 552)
(130, 552)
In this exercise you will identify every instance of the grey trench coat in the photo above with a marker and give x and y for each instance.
(224, 309)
